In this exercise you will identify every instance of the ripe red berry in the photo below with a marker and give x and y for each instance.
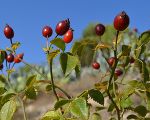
(96, 65)
(68, 36)
(18, 58)
(1, 66)
(100, 29)
(121, 21)
(47, 31)
(8, 32)
(118, 72)
(10, 58)
(111, 61)
(132, 60)
(62, 27)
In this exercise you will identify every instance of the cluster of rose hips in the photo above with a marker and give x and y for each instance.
(11, 57)
(121, 22)
(62, 28)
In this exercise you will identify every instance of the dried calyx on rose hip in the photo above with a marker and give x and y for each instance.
(18, 58)
(132, 60)
(62, 27)
(121, 21)
(47, 31)
(96, 65)
(68, 37)
(8, 32)
(99, 29)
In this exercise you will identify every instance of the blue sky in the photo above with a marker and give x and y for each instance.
(27, 18)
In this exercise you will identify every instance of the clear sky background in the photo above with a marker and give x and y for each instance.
(27, 18)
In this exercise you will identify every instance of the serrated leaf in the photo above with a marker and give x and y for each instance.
(125, 103)
(144, 38)
(139, 51)
(51, 115)
(52, 55)
(132, 116)
(97, 96)
(60, 103)
(141, 110)
(16, 45)
(31, 93)
(8, 110)
(79, 108)
(31, 81)
(68, 63)
(59, 43)
(145, 72)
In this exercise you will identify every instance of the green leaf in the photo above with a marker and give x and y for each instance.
(77, 70)
(68, 62)
(145, 72)
(79, 108)
(3, 79)
(2, 90)
(31, 93)
(97, 96)
(125, 103)
(7, 97)
(75, 47)
(16, 45)
(59, 43)
(111, 107)
(96, 116)
(132, 116)
(52, 55)
(49, 87)
(139, 51)
(52, 115)
(31, 81)
(2, 56)
(125, 50)
(141, 110)
(144, 38)
(61, 103)
(8, 110)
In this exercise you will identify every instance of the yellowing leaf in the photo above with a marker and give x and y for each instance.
(102, 46)
(52, 54)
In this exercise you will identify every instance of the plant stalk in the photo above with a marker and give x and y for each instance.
(52, 80)
(111, 78)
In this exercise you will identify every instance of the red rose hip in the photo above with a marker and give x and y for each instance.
(111, 61)
(132, 60)
(47, 31)
(10, 58)
(8, 32)
(118, 72)
(121, 21)
(68, 36)
(100, 29)
(18, 58)
(62, 27)
(96, 65)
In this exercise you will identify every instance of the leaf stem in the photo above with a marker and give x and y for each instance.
(23, 108)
